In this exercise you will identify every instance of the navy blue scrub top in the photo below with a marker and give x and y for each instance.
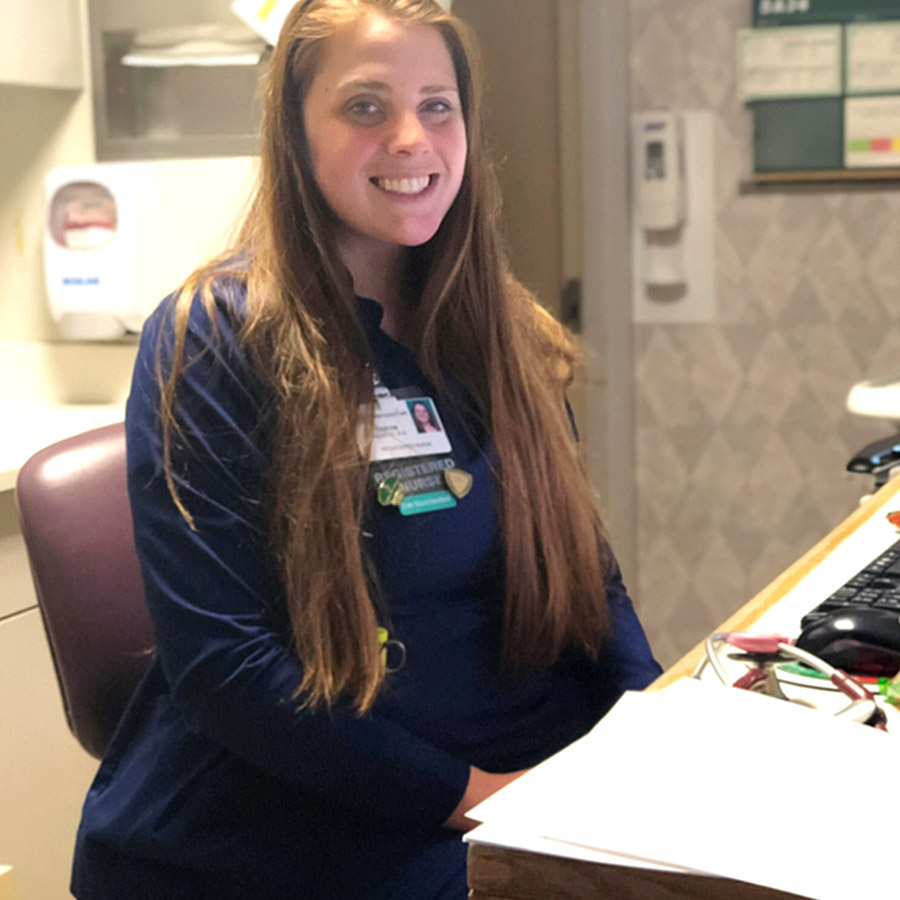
(215, 784)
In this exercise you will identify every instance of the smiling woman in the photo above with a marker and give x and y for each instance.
(387, 137)
(379, 585)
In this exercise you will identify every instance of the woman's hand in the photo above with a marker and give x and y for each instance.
(481, 786)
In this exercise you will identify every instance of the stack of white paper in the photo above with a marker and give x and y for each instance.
(717, 780)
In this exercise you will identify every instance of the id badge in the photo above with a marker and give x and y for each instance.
(411, 460)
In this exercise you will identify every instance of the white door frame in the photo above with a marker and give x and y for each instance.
(606, 268)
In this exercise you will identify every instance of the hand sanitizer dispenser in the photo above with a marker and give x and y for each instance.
(659, 186)
(673, 216)
(102, 224)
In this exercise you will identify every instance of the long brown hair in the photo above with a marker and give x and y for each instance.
(471, 321)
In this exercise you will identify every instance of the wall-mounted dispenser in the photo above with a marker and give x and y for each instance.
(101, 222)
(659, 195)
(673, 216)
(118, 237)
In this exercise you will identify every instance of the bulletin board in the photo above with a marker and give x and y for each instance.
(822, 80)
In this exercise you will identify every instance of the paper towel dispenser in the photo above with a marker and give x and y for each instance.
(102, 221)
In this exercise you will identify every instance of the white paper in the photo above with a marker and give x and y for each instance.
(146, 59)
(790, 62)
(873, 57)
(725, 782)
(872, 132)
(505, 836)
(265, 17)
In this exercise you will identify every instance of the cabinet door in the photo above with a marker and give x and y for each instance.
(16, 587)
(40, 43)
(44, 773)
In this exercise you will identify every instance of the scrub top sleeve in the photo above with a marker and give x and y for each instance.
(214, 596)
(627, 656)
(625, 663)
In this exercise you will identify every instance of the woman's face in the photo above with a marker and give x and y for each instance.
(386, 131)
(420, 411)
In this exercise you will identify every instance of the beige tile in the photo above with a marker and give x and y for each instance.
(835, 269)
(867, 216)
(772, 271)
(716, 482)
(662, 378)
(720, 579)
(773, 482)
(661, 475)
(710, 49)
(715, 375)
(773, 378)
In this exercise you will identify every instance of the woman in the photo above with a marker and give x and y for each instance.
(423, 419)
(337, 680)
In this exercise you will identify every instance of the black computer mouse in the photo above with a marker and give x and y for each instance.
(861, 641)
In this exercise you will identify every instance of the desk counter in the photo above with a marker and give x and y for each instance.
(503, 873)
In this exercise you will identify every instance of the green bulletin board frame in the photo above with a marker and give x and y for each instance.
(802, 139)
(768, 13)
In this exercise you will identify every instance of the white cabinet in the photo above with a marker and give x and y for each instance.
(44, 773)
(40, 43)
(174, 79)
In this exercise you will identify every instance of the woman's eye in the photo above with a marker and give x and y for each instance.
(438, 107)
(363, 110)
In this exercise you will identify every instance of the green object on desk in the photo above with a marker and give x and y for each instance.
(800, 669)
(808, 672)
(887, 687)
(890, 690)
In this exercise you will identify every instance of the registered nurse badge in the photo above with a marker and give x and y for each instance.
(390, 491)
(459, 482)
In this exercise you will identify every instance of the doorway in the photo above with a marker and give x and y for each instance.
(557, 73)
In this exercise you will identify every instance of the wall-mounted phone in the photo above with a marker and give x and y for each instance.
(673, 214)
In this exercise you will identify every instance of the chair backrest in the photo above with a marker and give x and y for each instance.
(76, 521)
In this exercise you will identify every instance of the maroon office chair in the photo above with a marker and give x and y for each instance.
(75, 518)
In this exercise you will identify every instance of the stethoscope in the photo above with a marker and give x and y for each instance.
(765, 652)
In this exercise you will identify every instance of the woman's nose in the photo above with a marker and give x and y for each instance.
(408, 134)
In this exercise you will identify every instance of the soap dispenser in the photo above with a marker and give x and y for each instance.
(101, 223)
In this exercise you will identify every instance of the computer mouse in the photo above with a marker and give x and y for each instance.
(861, 641)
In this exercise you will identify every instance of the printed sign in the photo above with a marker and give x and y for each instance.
(872, 132)
(873, 58)
(790, 62)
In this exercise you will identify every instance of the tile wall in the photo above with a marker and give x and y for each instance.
(742, 434)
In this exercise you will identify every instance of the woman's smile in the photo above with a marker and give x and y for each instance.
(409, 186)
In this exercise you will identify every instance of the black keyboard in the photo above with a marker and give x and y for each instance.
(877, 585)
